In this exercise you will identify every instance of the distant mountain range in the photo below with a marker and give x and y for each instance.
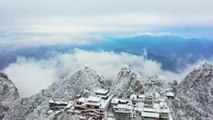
(174, 53)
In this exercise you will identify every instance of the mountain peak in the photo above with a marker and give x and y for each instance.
(8, 91)
(3, 75)
(201, 75)
(127, 83)
(204, 65)
(194, 97)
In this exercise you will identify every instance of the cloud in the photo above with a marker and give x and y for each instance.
(31, 75)
(68, 16)
(38, 39)
(107, 63)
(65, 20)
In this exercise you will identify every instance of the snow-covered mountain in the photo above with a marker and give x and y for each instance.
(127, 83)
(36, 106)
(155, 83)
(8, 93)
(194, 96)
(193, 99)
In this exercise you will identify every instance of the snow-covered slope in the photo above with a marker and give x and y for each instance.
(193, 100)
(8, 93)
(155, 83)
(194, 96)
(127, 83)
(36, 107)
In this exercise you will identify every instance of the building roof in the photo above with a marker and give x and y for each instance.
(162, 99)
(141, 96)
(163, 104)
(93, 99)
(133, 96)
(123, 101)
(105, 103)
(122, 111)
(165, 111)
(93, 104)
(57, 102)
(171, 94)
(69, 105)
(86, 67)
(125, 68)
(101, 91)
(114, 100)
(81, 99)
(150, 115)
(123, 106)
(149, 109)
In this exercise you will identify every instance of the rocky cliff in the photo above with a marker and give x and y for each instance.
(127, 83)
(194, 96)
(8, 94)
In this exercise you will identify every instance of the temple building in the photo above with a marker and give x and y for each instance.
(125, 68)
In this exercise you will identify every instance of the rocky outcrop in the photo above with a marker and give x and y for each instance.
(8, 94)
(3, 75)
(194, 96)
(173, 85)
(128, 82)
(155, 83)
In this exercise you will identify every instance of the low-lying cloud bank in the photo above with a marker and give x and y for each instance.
(46, 39)
(30, 76)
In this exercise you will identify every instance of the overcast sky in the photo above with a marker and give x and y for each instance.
(97, 16)
(50, 22)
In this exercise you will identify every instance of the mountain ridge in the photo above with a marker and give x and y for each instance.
(173, 52)
(194, 96)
